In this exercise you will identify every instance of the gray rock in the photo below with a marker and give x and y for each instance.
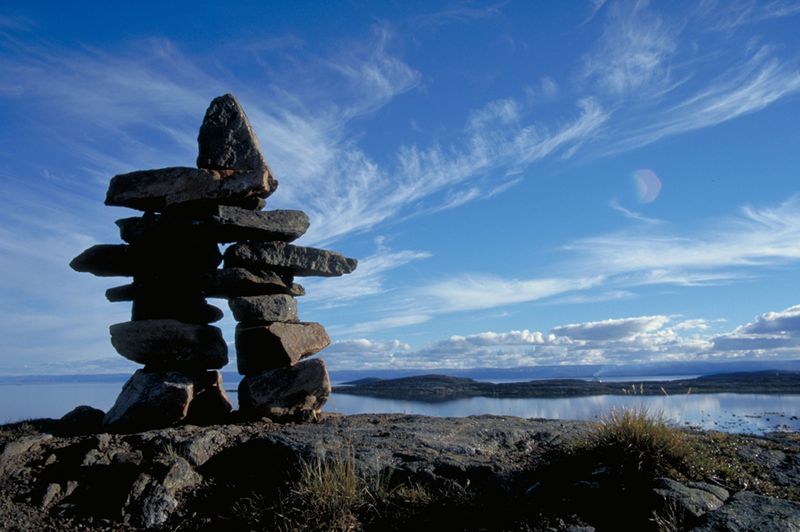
(210, 404)
(220, 223)
(297, 260)
(233, 282)
(125, 292)
(156, 190)
(105, 260)
(151, 305)
(277, 345)
(749, 512)
(171, 257)
(690, 501)
(82, 419)
(282, 394)
(153, 499)
(226, 140)
(151, 399)
(170, 344)
(259, 309)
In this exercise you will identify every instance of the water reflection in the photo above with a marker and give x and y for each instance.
(751, 413)
(727, 412)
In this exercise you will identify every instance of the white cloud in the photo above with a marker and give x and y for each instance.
(632, 215)
(772, 333)
(611, 329)
(633, 52)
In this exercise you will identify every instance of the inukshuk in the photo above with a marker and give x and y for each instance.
(173, 256)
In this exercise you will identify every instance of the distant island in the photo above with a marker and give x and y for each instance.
(436, 388)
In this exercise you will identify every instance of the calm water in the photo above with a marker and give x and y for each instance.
(750, 413)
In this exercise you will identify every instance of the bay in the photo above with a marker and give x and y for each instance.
(743, 413)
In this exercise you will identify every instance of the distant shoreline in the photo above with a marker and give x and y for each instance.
(437, 388)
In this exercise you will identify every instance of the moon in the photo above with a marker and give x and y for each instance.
(648, 185)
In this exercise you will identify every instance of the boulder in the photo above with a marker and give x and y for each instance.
(233, 282)
(259, 309)
(156, 190)
(691, 500)
(151, 399)
(219, 223)
(748, 511)
(210, 404)
(82, 419)
(277, 344)
(170, 344)
(226, 140)
(295, 393)
(297, 260)
(125, 292)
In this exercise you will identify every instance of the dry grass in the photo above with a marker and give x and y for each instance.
(640, 442)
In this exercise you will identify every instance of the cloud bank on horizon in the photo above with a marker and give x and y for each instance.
(524, 184)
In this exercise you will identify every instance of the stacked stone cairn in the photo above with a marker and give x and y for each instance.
(173, 256)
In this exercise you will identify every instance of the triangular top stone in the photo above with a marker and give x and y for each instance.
(226, 140)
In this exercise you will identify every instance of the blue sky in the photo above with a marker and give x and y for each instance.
(523, 182)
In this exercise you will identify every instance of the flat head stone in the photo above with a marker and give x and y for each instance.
(260, 309)
(277, 344)
(151, 399)
(233, 282)
(283, 394)
(218, 223)
(156, 190)
(170, 344)
(297, 260)
(226, 139)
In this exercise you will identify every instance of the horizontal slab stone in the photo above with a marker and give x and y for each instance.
(256, 309)
(155, 306)
(277, 344)
(219, 223)
(295, 393)
(233, 282)
(298, 260)
(156, 190)
(105, 260)
(170, 344)
(155, 258)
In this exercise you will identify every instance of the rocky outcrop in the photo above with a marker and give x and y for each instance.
(477, 472)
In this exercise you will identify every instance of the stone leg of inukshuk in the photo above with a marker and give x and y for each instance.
(172, 254)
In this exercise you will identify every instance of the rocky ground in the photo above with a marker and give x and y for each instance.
(379, 472)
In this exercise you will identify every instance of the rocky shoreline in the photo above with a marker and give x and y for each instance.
(474, 473)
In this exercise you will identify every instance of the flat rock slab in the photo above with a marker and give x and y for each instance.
(298, 260)
(220, 223)
(259, 309)
(226, 139)
(105, 260)
(233, 282)
(748, 511)
(188, 310)
(296, 393)
(151, 400)
(170, 344)
(276, 345)
(156, 190)
(166, 258)
(693, 499)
